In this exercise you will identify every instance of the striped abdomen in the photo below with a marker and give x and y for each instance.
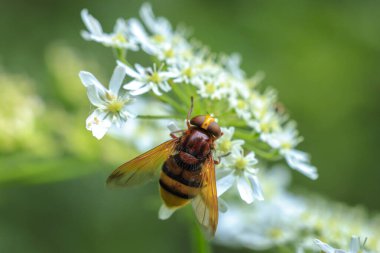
(181, 179)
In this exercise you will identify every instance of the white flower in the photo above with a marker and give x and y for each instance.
(146, 79)
(285, 141)
(159, 26)
(268, 123)
(300, 161)
(225, 144)
(237, 168)
(355, 246)
(232, 63)
(265, 224)
(211, 87)
(110, 103)
(160, 40)
(241, 107)
(262, 103)
(187, 71)
(120, 38)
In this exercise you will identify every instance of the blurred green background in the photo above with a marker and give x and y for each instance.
(322, 56)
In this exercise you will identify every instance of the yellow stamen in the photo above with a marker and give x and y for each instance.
(155, 77)
(110, 96)
(286, 145)
(210, 88)
(115, 106)
(188, 72)
(158, 38)
(240, 163)
(169, 53)
(225, 146)
(119, 38)
(276, 233)
(241, 104)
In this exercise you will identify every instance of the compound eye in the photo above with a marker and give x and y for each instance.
(198, 120)
(214, 128)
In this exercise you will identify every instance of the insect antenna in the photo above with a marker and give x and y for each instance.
(190, 111)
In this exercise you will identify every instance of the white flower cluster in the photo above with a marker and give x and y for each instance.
(182, 65)
(20, 110)
(335, 223)
(287, 220)
(258, 127)
(355, 246)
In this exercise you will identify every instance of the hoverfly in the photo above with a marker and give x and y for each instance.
(187, 170)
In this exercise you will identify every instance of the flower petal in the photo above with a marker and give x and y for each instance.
(130, 71)
(173, 127)
(156, 90)
(165, 86)
(324, 247)
(225, 183)
(89, 79)
(147, 15)
(98, 123)
(355, 244)
(257, 190)
(222, 205)
(245, 189)
(116, 79)
(93, 96)
(133, 85)
(305, 168)
(140, 91)
(91, 23)
(140, 35)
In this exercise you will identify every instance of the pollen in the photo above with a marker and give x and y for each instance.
(119, 38)
(110, 96)
(286, 145)
(188, 72)
(225, 146)
(265, 127)
(169, 53)
(210, 88)
(241, 163)
(155, 77)
(158, 38)
(275, 233)
(115, 106)
(241, 104)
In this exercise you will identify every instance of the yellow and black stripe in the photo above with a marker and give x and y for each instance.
(180, 181)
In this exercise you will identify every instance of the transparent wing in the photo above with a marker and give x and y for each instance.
(205, 204)
(142, 168)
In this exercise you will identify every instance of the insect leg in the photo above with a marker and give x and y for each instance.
(220, 158)
(174, 129)
(172, 134)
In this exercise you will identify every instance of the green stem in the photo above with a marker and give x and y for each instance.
(245, 135)
(270, 155)
(121, 55)
(166, 99)
(284, 249)
(200, 243)
(233, 122)
(159, 117)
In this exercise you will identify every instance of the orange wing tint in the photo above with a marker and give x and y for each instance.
(142, 168)
(205, 205)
